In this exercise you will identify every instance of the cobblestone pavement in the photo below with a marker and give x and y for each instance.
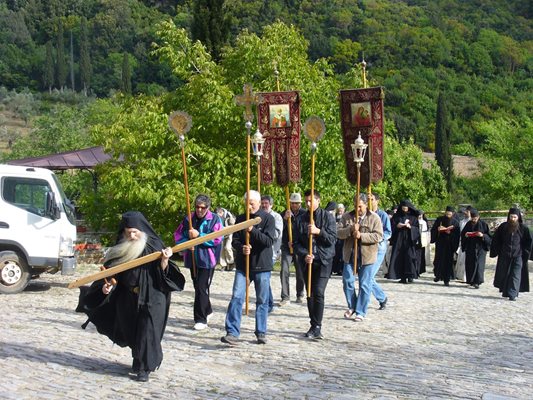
(431, 341)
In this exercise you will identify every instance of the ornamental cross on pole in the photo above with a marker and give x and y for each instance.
(247, 99)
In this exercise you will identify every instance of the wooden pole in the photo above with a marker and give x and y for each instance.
(311, 222)
(247, 211)
(356, 218)
(188, 202)
(289, 220)
(154, 256)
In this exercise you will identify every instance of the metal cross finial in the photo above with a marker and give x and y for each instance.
(247, 99)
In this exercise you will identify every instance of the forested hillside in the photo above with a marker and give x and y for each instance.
(108, 72)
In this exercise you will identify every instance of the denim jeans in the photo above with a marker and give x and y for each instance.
(367, 282)
(234, 314)
(348, 286)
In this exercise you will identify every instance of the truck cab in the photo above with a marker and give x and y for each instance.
(37, 226)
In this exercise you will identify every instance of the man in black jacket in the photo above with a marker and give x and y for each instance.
(260, 252)
(324, 235)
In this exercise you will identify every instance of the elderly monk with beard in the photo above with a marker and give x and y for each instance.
(511, 243)
(133, 311)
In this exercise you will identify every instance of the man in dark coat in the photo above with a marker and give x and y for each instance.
(446, 235)
(134, 311)
(260, 252)
(511, 243)
(324, 236)
(475, 242)
(404, 239)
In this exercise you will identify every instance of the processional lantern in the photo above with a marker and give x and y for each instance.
(257, 144)
(359, 150)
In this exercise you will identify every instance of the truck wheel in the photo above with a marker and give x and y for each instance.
(14, 273)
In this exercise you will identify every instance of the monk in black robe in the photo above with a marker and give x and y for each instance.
(404, 242)
(511, 243)
(475, 242)
(134, 311)
(446, 235)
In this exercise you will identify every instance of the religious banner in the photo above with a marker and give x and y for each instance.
(362, 112)
(278, 115)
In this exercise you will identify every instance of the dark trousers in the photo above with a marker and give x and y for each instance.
(202, 303)
(315, 303)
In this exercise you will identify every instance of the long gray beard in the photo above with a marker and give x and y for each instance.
(125, 250)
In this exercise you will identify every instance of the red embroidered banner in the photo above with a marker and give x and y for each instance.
(362, 112)
(278, 114)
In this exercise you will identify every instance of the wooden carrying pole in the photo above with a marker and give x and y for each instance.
(154, 256)
(188, 202)
(311, 222)
(247, 211)
(289, 220)
(356, 218)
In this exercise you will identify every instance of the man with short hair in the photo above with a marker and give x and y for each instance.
(206, 256)
(259, 251)
(446, 235)
(324, 235)
(511, 243)
(288, 255)
(475, 242)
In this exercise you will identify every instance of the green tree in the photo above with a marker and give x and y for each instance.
(126, 75)
(211, 25)
(442, 141)
(61, 65)
(85, 57)
(49, 68)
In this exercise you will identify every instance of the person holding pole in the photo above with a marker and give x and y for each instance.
(291, 216)
(133, 310)
(206, 255)
(259, 251)
(323, 231)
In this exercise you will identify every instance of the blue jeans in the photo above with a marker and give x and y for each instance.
(367, 282)
(234, 314)
(348, 286)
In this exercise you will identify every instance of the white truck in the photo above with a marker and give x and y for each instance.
(37, 227)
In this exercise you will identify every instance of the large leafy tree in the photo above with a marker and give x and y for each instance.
(150, 175)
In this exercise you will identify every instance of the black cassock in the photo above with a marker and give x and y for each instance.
(446, 245)
(403, 241)
(512, 250)
(135, 313)
(475, 249)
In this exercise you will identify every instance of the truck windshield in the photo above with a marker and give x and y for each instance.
(65, 202)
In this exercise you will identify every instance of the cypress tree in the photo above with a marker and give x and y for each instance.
(85, 58)
(442, 141)
(49, 67)
(211, 25)
(61, 67)
(126, 74)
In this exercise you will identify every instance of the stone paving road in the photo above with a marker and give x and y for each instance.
(431, 342)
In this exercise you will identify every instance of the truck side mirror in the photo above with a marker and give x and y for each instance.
(52, 210)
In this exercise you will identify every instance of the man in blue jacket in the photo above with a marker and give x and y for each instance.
(206, 256)
(259, 250)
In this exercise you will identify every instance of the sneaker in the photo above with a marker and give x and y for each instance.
(310, 332)
(317, 334)
(348, 313)
(199, 326)
(284, 302)
(230, 339)
(359, 318)
(261, 338)
(299, 299)
(383, 304)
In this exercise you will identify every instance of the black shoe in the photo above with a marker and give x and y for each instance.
(383, 304)
(317, 334)
(403, 280)
(309, 333)
(446, 283)
(410, 280)
(476, 286)
(143, 376)
(230, 339)
(511, 298)
(435, 279)
(261, 338)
